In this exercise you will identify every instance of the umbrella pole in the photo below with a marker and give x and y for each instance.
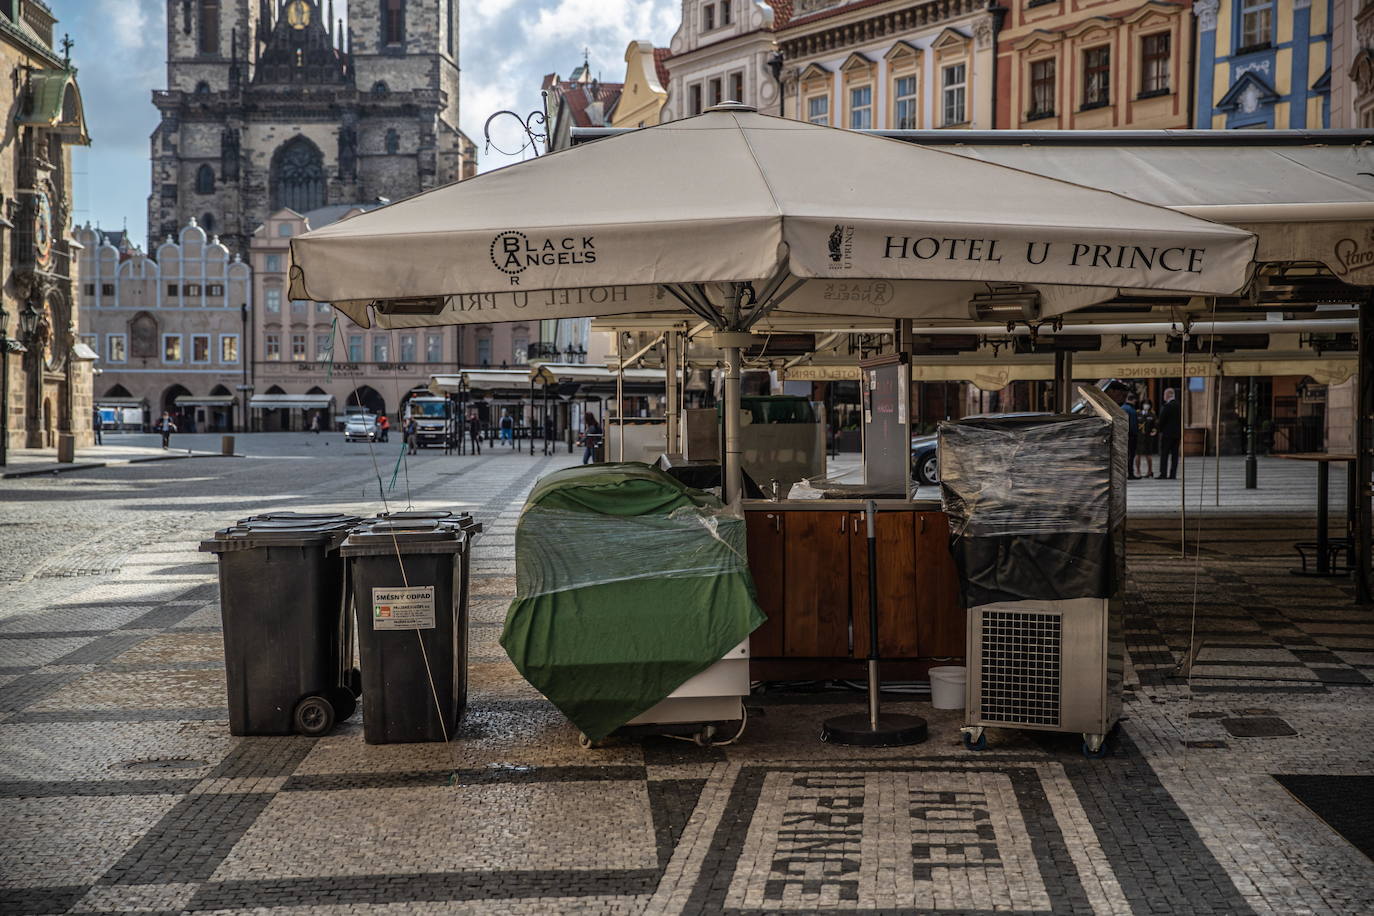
(732, 481)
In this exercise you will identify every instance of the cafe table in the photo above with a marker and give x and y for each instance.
(1323, 461)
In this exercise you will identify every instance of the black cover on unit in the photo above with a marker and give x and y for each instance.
(1037, 503)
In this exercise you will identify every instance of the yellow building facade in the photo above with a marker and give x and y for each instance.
(645, 88)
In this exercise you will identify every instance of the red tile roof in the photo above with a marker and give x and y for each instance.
(823, 14)
(579, 97)
(661, 56)
(782, 12)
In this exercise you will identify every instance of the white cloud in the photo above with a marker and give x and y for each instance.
(129, 23)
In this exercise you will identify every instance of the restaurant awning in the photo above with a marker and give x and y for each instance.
(291, 401)
(211, 400)
(482, 380)
(121, 402)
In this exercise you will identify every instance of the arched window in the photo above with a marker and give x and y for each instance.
(207, 222)
(393, 141)
(298, 176)
(209, 26)
(202, 88)
(380, 88)
(393, 22)
(205, 180)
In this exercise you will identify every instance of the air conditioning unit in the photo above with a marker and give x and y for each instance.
(1047, 665)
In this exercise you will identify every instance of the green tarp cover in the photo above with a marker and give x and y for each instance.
(628, 583)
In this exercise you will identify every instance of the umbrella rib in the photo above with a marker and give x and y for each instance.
(691, 305)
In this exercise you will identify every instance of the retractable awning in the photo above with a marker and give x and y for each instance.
(213, 400)
(291, 401)
(482, 380)
(121, 402)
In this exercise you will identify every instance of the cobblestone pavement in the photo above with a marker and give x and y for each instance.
(123, 791)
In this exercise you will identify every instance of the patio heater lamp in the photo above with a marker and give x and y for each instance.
(874, 728)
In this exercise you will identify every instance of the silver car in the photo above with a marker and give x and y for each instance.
(360, 426)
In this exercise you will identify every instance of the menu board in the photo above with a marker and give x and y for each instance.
(885, 389)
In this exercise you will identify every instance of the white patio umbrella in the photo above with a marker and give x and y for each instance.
(733, 215)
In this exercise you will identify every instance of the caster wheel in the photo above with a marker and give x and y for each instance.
(353, 677)
(703, 737)
(1094, 746)
(314, 716)
(584, 742)
(979, 745)
(343, 701)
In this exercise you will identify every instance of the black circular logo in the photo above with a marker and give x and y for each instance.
(507, 250)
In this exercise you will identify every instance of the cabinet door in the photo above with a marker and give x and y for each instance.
(898, 605)
(941, 627)
(766, 532)
(816, 604)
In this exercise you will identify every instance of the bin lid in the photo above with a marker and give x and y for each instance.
(416, 513)
(288, 532)
(406, 535)
(463, 520)
(288, 516)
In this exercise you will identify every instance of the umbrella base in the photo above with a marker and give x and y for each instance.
(894, 730)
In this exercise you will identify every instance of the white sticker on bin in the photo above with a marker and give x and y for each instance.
(403, 608)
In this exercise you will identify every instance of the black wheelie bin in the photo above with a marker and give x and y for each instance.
(287, 635)
(408, 578)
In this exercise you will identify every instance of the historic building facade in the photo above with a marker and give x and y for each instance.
(722, 51)
(1094, 65)
(45, 391)
(1352, 63)
(645, 88)
(168, 327)
(1263, 63)
(270, 105)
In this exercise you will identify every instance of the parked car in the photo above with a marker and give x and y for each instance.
(360, 426)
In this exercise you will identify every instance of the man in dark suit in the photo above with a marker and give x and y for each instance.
(1170, 430)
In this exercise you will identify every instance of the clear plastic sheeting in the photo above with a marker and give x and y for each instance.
(563, 550)
(1026, 475)
(1037, 504)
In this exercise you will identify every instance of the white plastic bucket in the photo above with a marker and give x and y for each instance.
(947, 686)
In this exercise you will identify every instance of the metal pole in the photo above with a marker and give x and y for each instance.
(670, 361)
(1183, 450)
(1364, 453)
(243, 358)
(529, 424)
(620, 411)
(874, 677)
(1216, 439)
(1251, 435)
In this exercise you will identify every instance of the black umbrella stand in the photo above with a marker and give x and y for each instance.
(876, 728)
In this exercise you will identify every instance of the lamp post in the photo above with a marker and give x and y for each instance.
(527, 124)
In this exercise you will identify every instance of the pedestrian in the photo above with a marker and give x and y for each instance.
(166, 427)
(591, 437)
(384, 428)
(1170, 429)
(548, 433)
(315, 423)
(96, 424)
(408, 433)
(1149, 438)
(475, 432)
(507, 428)
(1132, 435)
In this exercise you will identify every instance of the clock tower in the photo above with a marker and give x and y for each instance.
(274, 104)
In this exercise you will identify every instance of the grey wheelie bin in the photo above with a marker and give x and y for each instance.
(287, 634)
(408, 583)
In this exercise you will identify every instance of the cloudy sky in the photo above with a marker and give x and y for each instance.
(506, 48)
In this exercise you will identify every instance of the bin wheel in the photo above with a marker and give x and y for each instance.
(584, 742)
(703, 737)
(353, 678)
(980, 743)
(343, 701)
(314, 716)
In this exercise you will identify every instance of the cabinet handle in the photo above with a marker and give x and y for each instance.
(923, 523)
(777, 522)
(843, 519)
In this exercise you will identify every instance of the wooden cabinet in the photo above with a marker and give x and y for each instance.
(816, 595)
(810, 569)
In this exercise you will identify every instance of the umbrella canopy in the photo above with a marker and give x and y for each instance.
(818, 220)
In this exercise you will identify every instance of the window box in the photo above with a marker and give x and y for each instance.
(1090, 106)
(1038, 115)
(1253, 49)
(1154, 94)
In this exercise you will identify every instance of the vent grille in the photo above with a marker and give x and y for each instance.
(1020, 667)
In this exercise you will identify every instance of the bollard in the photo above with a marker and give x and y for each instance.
(226, 446)
(66, 448)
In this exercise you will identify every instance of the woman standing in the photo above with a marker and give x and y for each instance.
(591, 437)
(166, 427)
(1149, 439)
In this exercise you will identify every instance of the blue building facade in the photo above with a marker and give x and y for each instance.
(1263, 64)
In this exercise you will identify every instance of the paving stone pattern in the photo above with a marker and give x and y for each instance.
(122, 791)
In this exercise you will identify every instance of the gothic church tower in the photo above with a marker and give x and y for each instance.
(275, 103)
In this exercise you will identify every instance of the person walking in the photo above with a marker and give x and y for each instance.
(1170, 429)
(507, 428)
(591, 437)
(408, 432)
(96, 425)
(1149, 438)
(1132, 435)
(315, 423)
(166, 427)
(384, 428)
(475, 432)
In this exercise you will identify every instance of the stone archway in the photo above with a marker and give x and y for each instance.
(367, 397)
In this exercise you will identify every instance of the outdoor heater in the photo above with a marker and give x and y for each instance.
(1037, 507)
